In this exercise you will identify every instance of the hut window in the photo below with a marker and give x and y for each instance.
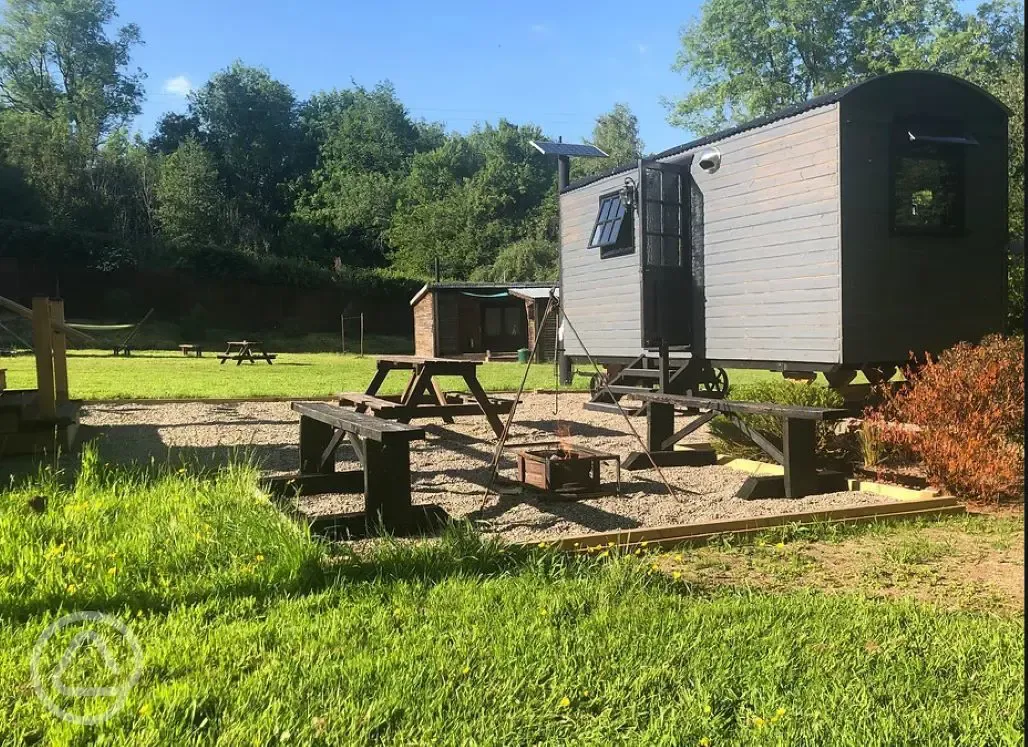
(928, 180)
(613, 232)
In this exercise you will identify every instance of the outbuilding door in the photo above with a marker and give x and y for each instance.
(666, 255)
(504, 325)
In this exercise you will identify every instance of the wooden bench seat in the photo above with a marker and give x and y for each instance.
(797, 452)
(383, 448)
(187, 349)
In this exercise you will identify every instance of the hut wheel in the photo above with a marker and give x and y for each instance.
(878, 374)
(715, 382)
(839, 378)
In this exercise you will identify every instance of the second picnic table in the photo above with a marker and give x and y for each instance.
(423, 397)
(246, 350)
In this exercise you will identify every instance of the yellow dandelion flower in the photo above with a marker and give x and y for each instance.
(71, 588)
(644, 543)
(780, 712)
(708, 710)
(465, 670)
(780, 546)
(758, 722)
(704, 742)
(542, 544)
(603, 554)
(575, 545)
(145, 709)
(111, 571)
(677, 556)
(654, 567)
(676, 575)
(610, 544)
(260, 558)
(585, 693)
(543, 612)
(565, 702)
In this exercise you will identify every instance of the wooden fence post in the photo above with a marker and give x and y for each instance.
(60, 352)
(42, 343)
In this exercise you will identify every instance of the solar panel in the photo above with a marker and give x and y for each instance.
(567, 149)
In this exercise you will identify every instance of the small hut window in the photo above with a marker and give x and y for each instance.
(928, 180)
(613, 232)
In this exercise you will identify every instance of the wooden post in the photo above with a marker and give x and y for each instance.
(60, 352)
(799, 450)
(660, 425)
(42, 343)
(342, 330)
(362, 334)
(315, 437)
(387, 484)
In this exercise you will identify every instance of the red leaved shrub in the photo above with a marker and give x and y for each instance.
(962, 416)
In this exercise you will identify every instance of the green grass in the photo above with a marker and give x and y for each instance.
(461, 641)
(96, 375)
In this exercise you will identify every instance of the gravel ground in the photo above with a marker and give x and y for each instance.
(451, 467)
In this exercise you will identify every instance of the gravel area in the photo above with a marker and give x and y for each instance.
(451, 467)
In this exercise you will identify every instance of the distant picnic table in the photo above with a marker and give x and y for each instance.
(423, 397)
(246, 350)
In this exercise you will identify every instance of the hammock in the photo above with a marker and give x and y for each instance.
(123, 345)
(100, 327)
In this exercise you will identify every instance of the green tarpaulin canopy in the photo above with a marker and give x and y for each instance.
(501, 294)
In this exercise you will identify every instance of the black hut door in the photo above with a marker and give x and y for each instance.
(666, 255)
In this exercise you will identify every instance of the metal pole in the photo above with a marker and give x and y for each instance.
(362, 334)
(342, 330)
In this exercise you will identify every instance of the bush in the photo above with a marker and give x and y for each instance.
(728, 439)
(962, 417)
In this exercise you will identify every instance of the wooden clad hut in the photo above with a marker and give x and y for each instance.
(836, 235)
(481, 320)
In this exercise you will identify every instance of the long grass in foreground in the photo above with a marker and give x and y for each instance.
(468, 642)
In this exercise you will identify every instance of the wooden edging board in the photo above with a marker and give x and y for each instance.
(682, 534)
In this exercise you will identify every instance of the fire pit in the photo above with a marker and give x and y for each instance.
(565, 470)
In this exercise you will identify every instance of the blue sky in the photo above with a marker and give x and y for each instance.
(456, 62)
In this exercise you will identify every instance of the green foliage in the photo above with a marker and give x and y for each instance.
(526, 260)
(189, 201)
(731, 441)
(58, 61)
(746, 59)
(616, 133)
(1015, 295)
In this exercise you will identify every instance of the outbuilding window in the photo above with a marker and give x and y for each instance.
(613, 232)
(927, 177)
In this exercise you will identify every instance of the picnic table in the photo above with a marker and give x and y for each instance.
(423, 397)
(246, 350)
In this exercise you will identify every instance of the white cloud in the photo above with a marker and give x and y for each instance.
(541, 29)
(643, 49)
(177, 86)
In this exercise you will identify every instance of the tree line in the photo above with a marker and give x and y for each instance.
(348, 179)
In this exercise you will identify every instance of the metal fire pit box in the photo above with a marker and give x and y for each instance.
(570, 470)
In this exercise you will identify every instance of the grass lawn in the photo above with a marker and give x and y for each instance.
(96, 374)
(252, 633)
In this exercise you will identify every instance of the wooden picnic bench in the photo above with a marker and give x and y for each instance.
(194, 349)
(797, 452)
(246, 350)
(383, 449)
(423, 397)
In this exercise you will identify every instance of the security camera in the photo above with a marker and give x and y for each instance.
(710, 160)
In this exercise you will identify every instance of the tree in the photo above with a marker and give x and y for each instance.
(172, 130)
(616, 133)
(57, 61)
(464, 201)
(525, 260)
(746, 59)
(188, 198)
(249, 123)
